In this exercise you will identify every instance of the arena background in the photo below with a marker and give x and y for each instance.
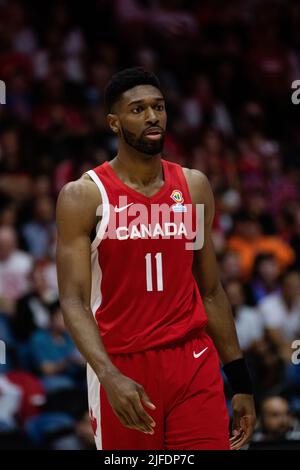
(227, 68)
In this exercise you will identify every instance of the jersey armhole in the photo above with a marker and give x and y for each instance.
(102, 225)
(184, 182)
(195, 214)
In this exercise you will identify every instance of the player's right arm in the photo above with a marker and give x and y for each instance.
(76, 218)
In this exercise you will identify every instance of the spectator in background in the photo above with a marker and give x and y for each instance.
(171, 25)
(81, 439)
(276, 421)
(295, 240)
(256, 202)
(280, 313)
(10, 402)
(15, 266)
(211, 157)
(20, 98)
(264, 363)
(15, 180)
(84, 431)
(8, 213)
(280, 188)
(249, 241)
(230, 267)
(98, 77)
(8, 348)
(32, 309)
(32, 394)
(54, 355)
(266, 276)
(268, 62)
(24, 40)
(202, 108)
(43, 183)
(39, 233)
(248, 323)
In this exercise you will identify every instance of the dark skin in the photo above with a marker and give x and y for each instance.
(137, 111)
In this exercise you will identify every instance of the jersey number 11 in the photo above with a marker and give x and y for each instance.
(159, 274)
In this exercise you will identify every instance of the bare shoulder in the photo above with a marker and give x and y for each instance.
(77, 203)
(80, 193)
(199, 185)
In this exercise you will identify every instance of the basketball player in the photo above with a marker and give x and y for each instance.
(149, 315)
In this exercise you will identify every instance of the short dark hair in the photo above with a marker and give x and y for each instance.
(125, 80)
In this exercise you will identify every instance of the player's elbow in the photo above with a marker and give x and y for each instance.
(69, 304)
(212, 291)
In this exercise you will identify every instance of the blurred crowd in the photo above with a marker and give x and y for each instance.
(226, 67)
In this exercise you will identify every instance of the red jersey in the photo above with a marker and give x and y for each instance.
(144, 294)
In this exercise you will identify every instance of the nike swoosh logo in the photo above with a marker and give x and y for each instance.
(200, 353)
(120, 209)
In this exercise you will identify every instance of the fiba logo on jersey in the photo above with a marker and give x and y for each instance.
(2, 352)
(178, 198)
(127, 220)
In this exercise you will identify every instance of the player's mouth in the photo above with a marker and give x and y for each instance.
(154, 133)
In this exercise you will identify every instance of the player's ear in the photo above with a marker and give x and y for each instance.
(113, 122)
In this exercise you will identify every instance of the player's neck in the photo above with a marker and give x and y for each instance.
(137, 169)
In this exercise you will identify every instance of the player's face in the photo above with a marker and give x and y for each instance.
(276, 416)
(140, 119)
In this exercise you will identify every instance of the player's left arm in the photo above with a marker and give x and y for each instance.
(221, 326)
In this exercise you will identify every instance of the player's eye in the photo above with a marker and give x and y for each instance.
(137, 109)
(159, 107)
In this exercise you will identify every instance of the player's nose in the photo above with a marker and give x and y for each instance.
(151, 116)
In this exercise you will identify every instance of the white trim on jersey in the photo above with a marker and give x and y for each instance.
(96, 294)
(96, 299)
(94, 403)
(92, 379)
(106, 210)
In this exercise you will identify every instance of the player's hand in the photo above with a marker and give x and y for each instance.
(244, 418)
(126, 398)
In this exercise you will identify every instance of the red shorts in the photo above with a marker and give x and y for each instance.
(184, 382)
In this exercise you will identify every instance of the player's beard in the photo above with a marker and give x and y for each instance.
(141, 144)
